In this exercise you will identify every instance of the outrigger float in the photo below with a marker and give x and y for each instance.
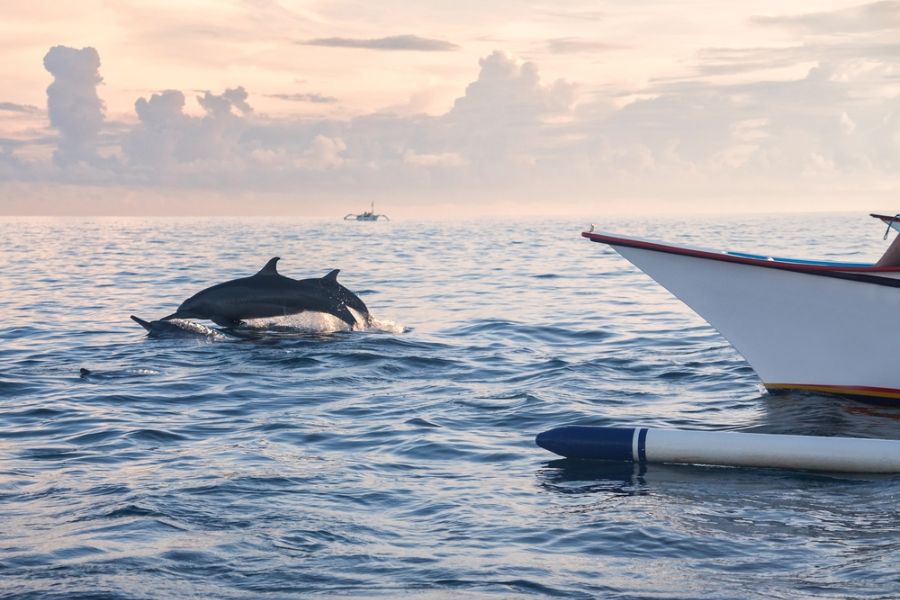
(725, 448)
(817, 326)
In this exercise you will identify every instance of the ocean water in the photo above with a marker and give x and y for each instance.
(399, 461)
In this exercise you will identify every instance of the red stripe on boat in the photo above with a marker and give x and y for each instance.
(843, 390)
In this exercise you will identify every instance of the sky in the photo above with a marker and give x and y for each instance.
(448, 108)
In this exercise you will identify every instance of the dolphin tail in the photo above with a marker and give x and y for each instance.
(141, 322)
(342, 313)
(347, 297)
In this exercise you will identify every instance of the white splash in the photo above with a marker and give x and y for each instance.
(318, 322)
(197, 328)
(305, 322)
(384, 326)
(127, 372)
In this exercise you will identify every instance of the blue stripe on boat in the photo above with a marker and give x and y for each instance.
(798, 261)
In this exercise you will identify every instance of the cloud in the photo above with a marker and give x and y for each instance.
(19, 108)
(9, 144)
(873, 17)
(507, 91)
(559, 12)
(863, 34)
(509, 133)
(575, 45)
(719, 61)
(394, 42)
(225, 102)
(447, 159)
(74, 108)
(499, 123)
(313, 97)
(324, 153)
(167, 141)
(780, 130)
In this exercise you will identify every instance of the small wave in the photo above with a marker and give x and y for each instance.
(156, 435)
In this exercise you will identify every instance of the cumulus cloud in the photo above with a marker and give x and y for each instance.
(839, 120)
(508, 132)
(501, 120)
(779, 129)
(394, 42)
(74, 108)
(223, 104)
(167, 140)
(508, 92)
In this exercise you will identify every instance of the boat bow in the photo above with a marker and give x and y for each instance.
(801, 324)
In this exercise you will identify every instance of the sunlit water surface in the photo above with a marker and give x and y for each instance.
(400, 460)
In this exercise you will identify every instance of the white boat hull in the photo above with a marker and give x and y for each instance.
(797, 329)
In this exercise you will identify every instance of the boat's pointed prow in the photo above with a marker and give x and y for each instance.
(892, 221)
(799, 323)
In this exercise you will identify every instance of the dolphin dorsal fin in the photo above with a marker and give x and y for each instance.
(269, 269)
(331, 278)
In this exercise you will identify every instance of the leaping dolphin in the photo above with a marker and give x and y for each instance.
(269, 294)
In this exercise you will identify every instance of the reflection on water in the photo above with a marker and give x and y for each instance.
(302, 460)
(803, 413)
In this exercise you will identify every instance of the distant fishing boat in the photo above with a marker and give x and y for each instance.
(811, 325)
(368, 215)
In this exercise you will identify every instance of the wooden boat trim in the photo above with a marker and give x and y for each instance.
(841, 390)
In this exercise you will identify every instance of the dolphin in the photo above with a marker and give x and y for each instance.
(91, 375)
(175, 328)
(270, 294)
